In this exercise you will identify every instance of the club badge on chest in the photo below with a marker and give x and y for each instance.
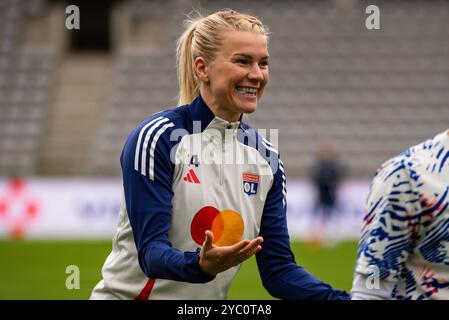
(250, 183)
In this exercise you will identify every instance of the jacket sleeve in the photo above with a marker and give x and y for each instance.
(147, 180)
(280, 274)
(364, 289)
(391, 225)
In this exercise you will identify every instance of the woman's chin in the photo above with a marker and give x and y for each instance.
(247, 107)
(250, 110)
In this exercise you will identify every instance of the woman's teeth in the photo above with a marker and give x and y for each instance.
(247, 90)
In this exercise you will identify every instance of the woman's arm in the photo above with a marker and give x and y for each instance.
(147, 180)
(280, 274)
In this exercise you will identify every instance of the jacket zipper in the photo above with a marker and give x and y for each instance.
(222, 160)
(223, 150)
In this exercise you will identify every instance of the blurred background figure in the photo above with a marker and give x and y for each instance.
(326, 175)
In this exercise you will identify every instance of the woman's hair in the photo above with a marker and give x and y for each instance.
(202, 38)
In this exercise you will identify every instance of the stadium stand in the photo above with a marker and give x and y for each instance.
(374, 92)
(25, 80)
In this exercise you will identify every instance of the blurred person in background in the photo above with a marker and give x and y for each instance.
(182, 220)
(326, 175)
(404, 248)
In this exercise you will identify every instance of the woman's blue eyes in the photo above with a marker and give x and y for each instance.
(245, 62)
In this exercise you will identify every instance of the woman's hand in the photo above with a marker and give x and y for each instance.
(214, 259)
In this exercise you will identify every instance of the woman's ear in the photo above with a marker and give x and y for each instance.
(201, 69)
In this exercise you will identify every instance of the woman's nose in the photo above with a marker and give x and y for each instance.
(255, 73)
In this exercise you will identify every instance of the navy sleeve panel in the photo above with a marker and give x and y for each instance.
(280, 274)
(148, 199)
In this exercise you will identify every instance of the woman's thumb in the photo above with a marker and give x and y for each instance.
(209, 240)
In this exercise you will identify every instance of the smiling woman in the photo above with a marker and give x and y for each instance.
(186, 224)
(231, 78)
(234, 81)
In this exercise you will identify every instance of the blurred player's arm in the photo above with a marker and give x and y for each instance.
(387, 233)
(362, 288)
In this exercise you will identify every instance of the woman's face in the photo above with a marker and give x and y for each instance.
(236, 78)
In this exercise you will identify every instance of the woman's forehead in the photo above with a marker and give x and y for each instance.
(244, 42)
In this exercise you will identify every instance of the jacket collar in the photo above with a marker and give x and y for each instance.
(200, 111)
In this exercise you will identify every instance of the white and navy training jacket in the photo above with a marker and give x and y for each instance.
(186, 171)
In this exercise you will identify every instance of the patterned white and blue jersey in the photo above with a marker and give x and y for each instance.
(405, 232)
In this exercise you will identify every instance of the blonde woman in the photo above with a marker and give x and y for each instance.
(203, 192)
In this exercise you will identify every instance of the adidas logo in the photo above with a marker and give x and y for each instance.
(191, 177)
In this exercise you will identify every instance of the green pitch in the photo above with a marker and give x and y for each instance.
(37, 269)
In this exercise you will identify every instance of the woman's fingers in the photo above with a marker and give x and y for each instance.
(255, 250)
(217, 259)
(208, 241)
(238, 246)
(247, 250)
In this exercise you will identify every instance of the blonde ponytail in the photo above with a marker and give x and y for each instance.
(187, 78)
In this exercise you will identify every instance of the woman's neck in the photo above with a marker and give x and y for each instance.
(219, 111)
